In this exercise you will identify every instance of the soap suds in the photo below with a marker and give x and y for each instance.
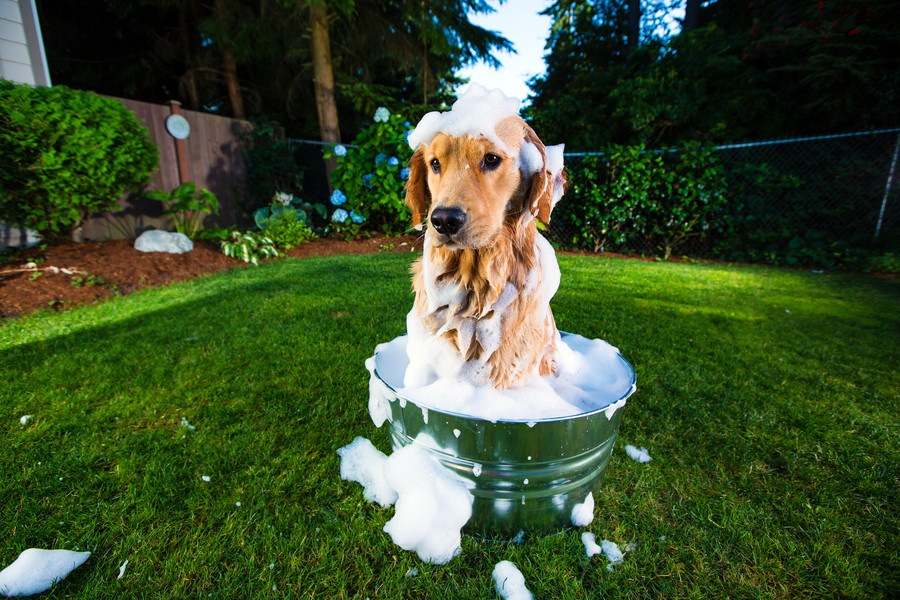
(431, 503)
(509, 582)
(363, 463)
(583, 513)
(474, 113)
(637, 454)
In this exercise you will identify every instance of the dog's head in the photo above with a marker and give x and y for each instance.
(468, 187)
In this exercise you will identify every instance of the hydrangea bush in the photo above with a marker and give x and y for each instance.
(370, 178)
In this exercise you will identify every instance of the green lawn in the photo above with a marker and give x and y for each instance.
(768, 400)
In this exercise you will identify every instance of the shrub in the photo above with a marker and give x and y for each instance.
(661, 199)
(249, 247)
(66, 154)
(269, 163)
(763, 215)
(689, 197)
(288, 230)
(370, 178)
(606, 203)
(187, 206)
(283, 202)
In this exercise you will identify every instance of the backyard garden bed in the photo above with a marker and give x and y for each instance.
(71, 274)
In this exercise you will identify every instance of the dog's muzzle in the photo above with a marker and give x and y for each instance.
(448, 221)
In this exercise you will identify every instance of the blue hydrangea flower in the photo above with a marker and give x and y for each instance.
(340, 150)
(367, 179)
(404, 173)
(407, 125)
(340, 216)
(382, 115)
(356, 218)
(407, 134)
(393, 162)
(338, 197)
(380, 159)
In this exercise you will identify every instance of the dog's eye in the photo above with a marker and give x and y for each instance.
(491, 161)
(435, 165)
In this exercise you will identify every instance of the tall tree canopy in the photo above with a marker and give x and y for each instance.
(255, 57)
(738, 69)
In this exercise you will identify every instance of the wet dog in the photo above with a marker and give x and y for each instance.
(484, 282)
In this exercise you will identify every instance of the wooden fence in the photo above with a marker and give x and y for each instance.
(210, 157)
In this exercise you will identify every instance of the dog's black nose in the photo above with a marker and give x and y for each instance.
(448, 220)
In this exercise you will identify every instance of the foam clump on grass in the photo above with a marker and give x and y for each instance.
(613, 554)
(431, 503)
(610, 549)
(36, 570)
(363, 463)
(509, 582)
(591, 547)
(637, 454)
(583, 513)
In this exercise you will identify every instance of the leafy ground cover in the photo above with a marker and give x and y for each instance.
(768, 400)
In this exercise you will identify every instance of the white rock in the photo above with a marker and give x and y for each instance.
(163, 241)
(36, 570)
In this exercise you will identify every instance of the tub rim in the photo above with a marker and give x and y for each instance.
(617, 404)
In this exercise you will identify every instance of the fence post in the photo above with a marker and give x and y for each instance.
(887, 187)
(181, 150)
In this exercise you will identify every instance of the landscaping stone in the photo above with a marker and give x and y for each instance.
(163, 241)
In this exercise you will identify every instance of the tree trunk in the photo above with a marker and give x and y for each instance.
(634, 24)
(691, 15)
(189, 79)
(229, 64)
(323, 77)
(234, 86)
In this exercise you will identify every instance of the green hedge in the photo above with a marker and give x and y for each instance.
(631, 196)
(66, 154)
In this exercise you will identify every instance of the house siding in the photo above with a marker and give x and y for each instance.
(22, 57)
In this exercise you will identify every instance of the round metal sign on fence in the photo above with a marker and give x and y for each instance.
(178, 127)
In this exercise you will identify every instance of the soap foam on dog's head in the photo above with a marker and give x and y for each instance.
(475, 113)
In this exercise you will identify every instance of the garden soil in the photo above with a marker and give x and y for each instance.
(60, 277)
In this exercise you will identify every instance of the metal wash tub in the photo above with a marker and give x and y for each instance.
(525, 476)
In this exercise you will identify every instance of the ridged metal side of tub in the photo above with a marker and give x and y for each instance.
(524, 476)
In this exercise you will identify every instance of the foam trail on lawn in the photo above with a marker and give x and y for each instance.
(509, 582)
(36, 570)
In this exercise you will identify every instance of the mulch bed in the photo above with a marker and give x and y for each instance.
(67, 275)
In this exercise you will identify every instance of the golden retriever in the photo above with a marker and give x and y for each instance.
(485, 279)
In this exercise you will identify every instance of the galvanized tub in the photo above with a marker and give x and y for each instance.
(525, 476)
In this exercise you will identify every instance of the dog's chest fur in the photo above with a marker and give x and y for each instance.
(485, 303)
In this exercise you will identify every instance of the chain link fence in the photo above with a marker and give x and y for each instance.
(804, 201)
(817, 201)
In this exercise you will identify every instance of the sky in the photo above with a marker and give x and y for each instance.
(519, 22)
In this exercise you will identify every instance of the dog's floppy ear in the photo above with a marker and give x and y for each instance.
(417, 195)
(548, 182)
